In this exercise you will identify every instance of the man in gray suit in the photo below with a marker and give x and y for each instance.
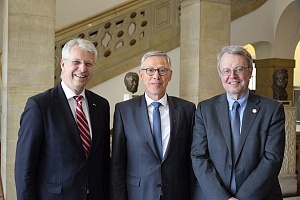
(139, 170)
(246, 168)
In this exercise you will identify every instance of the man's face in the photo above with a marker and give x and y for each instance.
(77, 69)
(282, 80)
(156, 85)
(235, 85)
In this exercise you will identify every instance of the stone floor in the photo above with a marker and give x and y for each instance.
(292, 198)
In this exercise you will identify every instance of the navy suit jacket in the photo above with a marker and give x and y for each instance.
(137, 171)
(260, 151)
(50, 161)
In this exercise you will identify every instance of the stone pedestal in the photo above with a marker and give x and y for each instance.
(287, 176)
(264, 75)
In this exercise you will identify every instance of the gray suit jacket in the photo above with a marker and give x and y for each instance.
(137, 171)
(261, 149)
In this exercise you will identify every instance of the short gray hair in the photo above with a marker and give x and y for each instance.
(83, 44)
(155, 53)
(237, 50)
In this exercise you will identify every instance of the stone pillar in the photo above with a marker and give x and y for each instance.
(264, 75)
(205, 29)
(27, 69)
(287, 176)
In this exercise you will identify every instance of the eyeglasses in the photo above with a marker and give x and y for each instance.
(79, 62)
(238, 71)
(151, 71)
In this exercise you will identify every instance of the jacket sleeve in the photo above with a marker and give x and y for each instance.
(204, 170)
(30, 139)
(119, 159)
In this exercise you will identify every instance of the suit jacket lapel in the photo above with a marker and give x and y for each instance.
(249, 116)
(174, 125)
(223, 117)
(64, 113)
(142, 116)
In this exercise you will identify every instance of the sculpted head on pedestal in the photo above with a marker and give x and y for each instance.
(131, 81)
(280, 81)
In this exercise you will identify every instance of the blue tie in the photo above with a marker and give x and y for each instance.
(157, 128)
(235, 131)
(235, 126)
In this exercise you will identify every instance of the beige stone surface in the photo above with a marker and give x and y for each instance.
(200, 41)
(27, 69)
(287, 176)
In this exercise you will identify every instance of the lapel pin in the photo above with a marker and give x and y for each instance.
(94, 104)
(254, 110)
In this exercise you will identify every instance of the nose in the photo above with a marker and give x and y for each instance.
(233, 73)
(82, 67)
(156, 74)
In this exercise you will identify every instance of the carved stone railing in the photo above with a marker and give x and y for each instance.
(123, 34)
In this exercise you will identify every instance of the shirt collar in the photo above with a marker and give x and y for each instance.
(69, 93)
(163, 100)
(242, 101)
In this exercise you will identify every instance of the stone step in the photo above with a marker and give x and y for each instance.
(292, 198)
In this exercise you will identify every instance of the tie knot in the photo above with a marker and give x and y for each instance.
(156, 104)
(78, 98)
(236, 105)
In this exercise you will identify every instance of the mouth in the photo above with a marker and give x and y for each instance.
(80, 76)
(234, 82)
(156, 84)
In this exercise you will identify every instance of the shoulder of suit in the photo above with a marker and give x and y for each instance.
(95, 97)
(133, 101)
(180, 101)
(218, 98)
(46, 94)
(256, 98)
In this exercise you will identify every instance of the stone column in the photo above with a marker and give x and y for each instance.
(287, 176)
(264, 75)
(27, 69)
(205, 29)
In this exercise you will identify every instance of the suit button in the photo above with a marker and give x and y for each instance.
(159, 185)
(230, 166)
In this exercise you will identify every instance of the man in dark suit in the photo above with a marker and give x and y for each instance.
(245, 165)
(140, 169)
(51, 162)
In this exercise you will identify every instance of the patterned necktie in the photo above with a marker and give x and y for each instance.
(235, 131)
(83, 125)
(157, 128)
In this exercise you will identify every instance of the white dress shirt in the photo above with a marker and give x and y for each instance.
(165, 119)
(73, 104)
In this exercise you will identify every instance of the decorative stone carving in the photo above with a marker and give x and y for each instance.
(123, 34)
(287, 175)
